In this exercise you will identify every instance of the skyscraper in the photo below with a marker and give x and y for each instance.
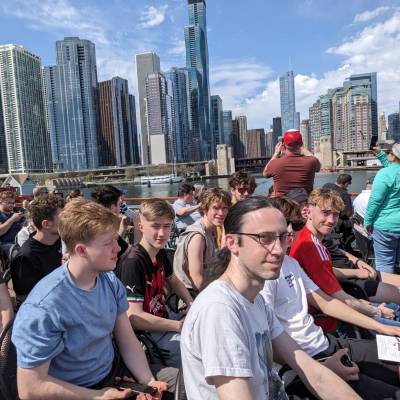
(382, 135)
(217, 126)
(256, 143)
(197, 57)
(21, 89)
(320, 119)
(394, 127)
(239, 135)
(369, 81)
(133, 125)
(160, 119)
(3, 151)
(227, 123)
(276, 131)
(290, 118)
(116, 136)
(305, 133)
(179, 78)
(72, 105)
(146, 63)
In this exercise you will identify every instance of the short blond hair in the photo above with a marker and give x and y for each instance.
(152, 209)
(326, 198)
(6, 194)
(81, 220)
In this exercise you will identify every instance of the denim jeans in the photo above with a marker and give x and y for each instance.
(387, 250)
(386, 321)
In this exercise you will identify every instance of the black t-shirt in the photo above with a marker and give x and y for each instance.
(34, 261)
(145, 280)
(339, 260)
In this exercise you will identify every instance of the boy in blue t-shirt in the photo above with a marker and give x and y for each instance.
(63, 331)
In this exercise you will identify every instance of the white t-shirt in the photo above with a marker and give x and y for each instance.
(185, 220)
(360, 203)
(287, 295)
(225, 334)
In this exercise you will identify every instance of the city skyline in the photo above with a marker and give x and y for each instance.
(357, 37)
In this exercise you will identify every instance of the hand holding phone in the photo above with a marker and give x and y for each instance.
(137, 388)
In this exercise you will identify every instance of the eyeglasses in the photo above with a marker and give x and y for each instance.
(268, 238)
(243, 190)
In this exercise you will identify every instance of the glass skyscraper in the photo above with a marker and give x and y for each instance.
(217, 127)
(72, 105)
(227, 122)
(290, 118)
(197, 57)
(179, 78)
(21, 90)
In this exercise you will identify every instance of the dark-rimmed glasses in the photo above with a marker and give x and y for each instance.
(268, 238)
(243, 190)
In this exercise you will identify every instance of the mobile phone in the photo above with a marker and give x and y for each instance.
(137, 388)
(374, 140)
(345, 360)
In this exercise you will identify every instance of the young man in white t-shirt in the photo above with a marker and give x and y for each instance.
(229, 332)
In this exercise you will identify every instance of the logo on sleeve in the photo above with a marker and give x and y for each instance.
(290, 279)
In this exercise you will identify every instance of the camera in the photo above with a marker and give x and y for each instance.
(124, 209)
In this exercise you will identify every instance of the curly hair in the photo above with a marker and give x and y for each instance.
(44, 207)
(326, 198)
(211, 196)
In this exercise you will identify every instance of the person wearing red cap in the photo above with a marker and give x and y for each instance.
(292, 165)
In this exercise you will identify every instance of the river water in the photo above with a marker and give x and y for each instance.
(263, 184)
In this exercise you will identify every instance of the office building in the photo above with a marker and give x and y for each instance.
(3, 151)
(72, 105)
(146, 63)
(227, 124)
(134, 130)
(197, 57)
(160, 119)
(116, 144)
(382, 127)
(276, 132)
(394, 127)
(217, 126)
(290, 118)
(179, 78)
(305, 133)
(23, 116)
(256, 143)
(320, 119)
(239, 135)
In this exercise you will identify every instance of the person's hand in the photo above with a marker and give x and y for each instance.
(17, 216)
(362, 265)
(110, 393)
(369, 229)
(179, 325)
(376, 149)
(279, 148)
(386, 312)
(335, 365)
(125, 221)
(161, 387)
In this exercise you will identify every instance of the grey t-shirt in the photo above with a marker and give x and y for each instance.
(225, 334)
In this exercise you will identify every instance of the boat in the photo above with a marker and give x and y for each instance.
(160, 179)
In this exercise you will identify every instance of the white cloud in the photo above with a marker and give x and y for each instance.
(152, 16)
(59, 14)
(178, 48)
(369, 15)
(375, 48)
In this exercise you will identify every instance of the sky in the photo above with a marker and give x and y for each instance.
(251, 43)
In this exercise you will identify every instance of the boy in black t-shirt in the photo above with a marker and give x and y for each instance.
(144, 270)
(41, 253)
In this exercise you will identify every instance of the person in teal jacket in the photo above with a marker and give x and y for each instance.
(383, 212)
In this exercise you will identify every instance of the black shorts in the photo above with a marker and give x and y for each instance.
(369, 286)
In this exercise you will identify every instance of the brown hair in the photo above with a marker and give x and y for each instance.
(152, 209)
(6, 194)
(326, 197)
(214, 195)
(44, 207)
(81, 220)
(240, 178)
(289, 208)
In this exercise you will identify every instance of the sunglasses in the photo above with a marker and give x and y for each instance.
(247, 189)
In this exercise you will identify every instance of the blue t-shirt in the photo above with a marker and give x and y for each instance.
(69, 326)
(9, 236)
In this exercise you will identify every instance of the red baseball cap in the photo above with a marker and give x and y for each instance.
(292, 136)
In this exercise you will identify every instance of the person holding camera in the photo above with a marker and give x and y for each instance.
(292, 165)
(11, 221)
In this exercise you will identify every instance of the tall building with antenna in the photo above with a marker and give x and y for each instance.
(290, 118)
